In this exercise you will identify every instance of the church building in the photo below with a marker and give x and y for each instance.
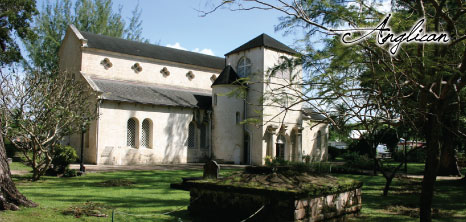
(158, 104)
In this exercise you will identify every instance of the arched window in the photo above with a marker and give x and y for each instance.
(131, 133)
(244, 67)
(146, 133)
(204, 136)
(319, 140)
(191, 136)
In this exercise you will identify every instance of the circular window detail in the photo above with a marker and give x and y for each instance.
(213, 78)
(137, 68)
(190, 75)
(165, 72)
(244, 67)
(106, 63)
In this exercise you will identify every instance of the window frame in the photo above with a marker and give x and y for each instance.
(244, 63)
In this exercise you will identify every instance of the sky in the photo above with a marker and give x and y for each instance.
(176, 23)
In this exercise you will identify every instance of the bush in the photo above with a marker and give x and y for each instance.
(417, 156)
(334, 152)
(70, 173)
(356, 161)
(361, 147)
(10, 148)
(62, 156)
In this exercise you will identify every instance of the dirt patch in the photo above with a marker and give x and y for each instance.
(87, 209)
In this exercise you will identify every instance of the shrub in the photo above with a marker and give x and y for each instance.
(10, 148)
(361, 147)
(70, 173)
(334, 152)
(417, 156)
(354, 160)
(62, 157)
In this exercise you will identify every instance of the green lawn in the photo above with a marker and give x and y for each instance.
(149, 194)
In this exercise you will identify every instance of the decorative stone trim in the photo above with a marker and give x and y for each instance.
(165, 72)
(213, 78)
(137, 67)
(190, 75)
(106, 63)
(271, 128)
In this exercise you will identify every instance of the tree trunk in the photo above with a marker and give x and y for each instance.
(388, 181)
(448, 159)
(10, 197)
(430, 171)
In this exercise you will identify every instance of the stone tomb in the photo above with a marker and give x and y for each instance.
(273, 196)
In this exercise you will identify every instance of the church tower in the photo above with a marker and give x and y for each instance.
(271, 131)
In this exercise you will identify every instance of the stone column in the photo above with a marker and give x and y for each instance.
(298, 143)
(272, 138)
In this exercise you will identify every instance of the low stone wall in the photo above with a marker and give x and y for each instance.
(232, 205)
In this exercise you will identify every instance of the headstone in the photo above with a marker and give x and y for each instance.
(10, 160)
(211, 170)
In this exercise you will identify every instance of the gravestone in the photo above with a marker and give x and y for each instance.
(211, 170)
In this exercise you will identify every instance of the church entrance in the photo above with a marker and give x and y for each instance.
(246, 148)
(280, 147)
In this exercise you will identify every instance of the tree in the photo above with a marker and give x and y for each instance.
(96, 16)
(38, 111)
(422, 84)
(14, 18)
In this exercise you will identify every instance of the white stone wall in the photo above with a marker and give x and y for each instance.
(169, 135)
(227, 133)
(151, 70)
(309, 140)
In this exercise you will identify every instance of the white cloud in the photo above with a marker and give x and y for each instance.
(204, 51)
(177, 45)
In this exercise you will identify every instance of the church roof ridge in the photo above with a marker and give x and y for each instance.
(114, 44)
(265, 41)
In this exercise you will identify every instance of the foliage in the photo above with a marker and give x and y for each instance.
(361, 147)
(10, 148)
(38, 111)
(70, 172)
(417, 156)
(334, 152)
(62, 157)
(15, 18)
(95, 16)
(355, 160)
(389, 137)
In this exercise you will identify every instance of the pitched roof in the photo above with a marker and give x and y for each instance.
(143, 93)
(227, 76)
(313, 115)
(266, 41)
(124, 46)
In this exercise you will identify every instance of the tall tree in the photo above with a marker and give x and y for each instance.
(96, 16)
(422, 84)
(15, 16)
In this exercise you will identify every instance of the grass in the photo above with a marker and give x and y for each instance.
(403, 199)
(146, 193)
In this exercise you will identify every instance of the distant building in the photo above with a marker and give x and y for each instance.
(356, 134)
(163, 105)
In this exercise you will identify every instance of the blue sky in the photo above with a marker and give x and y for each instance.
(176, 23)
